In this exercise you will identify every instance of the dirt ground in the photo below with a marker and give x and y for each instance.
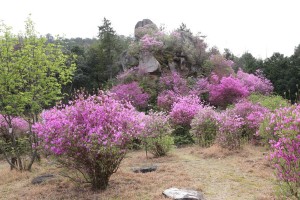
(217, 173)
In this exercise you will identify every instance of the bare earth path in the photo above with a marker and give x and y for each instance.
(219, 174)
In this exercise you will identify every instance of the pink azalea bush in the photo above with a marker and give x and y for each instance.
(90, 135)
(173, 81)
(255, 83)
(200, 87)
(283, 129)
(150, 43)
(166, 99)
(229, 130)
(184, 110)
(252, 115)
(221, 66)
(228, 91)
(157, 133)
(132, 93)
(204, 126)
(18, 123)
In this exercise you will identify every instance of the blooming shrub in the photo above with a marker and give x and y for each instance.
(221, 66)
(200, 87)
(166, 99)
(150, 43)
(18, 124)
(283, 130)
(204, 126)
(184, 110)
(157, 134)
(90, 135)
(257, 84)
(228, 91)
(229, 130)
(16, 143)
(173, 81)
(251, 114)
(132, 93)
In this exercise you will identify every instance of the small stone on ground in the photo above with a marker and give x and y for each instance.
(42, 178)
(183, 194)
(145, 169)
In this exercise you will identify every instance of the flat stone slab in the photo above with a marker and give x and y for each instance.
(145, 169)
(42, 178)
(183, 194)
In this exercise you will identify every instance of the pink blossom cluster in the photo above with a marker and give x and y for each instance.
(221, 66)
(286, 158)
(228, 91)
(284, 122)
(149, 43)
(17, 123)
(184, 110)
(252, 114)
(166, 99)
(204, 125)
(284, 125)
(229, 131)
(156, 124)
(201, 86)
(82, 128)
(258, 84)
(174, 81)
(132, 93)
(175, 34)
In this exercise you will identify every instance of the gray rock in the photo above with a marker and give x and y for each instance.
(143, 23)
(183, 194)
(42, 178)
(128, 61)
(173, 66)
(143, 27)
(148, 62)
(145, 169)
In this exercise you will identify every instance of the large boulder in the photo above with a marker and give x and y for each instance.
(148, 62)
(143, 27)
(183, 194)
(128, 61)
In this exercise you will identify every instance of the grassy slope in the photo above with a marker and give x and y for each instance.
(217, 173)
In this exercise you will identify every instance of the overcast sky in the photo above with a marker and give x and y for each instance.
(260, 27)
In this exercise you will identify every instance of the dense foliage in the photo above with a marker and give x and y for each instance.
(32, 74)
(90, 135)
(132, 93)
(282, 130)
(156, 135)
(204, 126)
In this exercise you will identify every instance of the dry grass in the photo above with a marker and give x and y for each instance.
(219, 174)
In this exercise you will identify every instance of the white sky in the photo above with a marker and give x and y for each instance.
(260, 27)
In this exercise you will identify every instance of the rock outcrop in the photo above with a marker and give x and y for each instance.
(148, 62)
(143, 27)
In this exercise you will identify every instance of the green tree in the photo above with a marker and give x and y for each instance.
(102, 56)
(248, 63)
(32, 73)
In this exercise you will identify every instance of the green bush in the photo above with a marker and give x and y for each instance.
(271, 102)
(204, 127)
(156, 136)
(159, 146)
(182, 136)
